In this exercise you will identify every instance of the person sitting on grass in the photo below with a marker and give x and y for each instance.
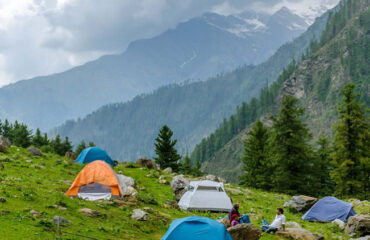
(278, 222)
(234, 210)
(234, 220)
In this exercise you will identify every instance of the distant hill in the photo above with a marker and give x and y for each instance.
(195, 50)
(192, 110)
(341, 56)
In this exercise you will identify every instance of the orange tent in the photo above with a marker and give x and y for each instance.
(97, 172)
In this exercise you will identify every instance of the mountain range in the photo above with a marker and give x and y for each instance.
(192, 110)
(195, 50)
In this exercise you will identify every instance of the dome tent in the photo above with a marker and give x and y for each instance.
(206, 196)
(91, 154)
(97, 180)
(196, 228)
(328, 209)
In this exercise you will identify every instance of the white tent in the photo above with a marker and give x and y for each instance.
(206, 196)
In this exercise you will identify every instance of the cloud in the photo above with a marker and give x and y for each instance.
(40, 37)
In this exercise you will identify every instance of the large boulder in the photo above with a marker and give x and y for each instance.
(300, 203)
(34, 151)
(245, 232)
(361, 238)
(167, 170)
(129, 191)
(179, 186)
(358, 225)
(127, 181)
(139, 215)
(4, 143)
(58, 220)
(340, 223)
(298, 234)
(144, 162)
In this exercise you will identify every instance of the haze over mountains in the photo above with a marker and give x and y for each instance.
(194, 50)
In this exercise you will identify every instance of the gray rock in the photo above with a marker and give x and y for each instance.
(2, 200)
(139, 215)
(58, 220)
(89, 212)
(340, 223)
(224, 221)
(245, 232)
(300, 203)
(292, 225)
(4, 142)
(361, 238)
(128, 181)
(34, 151)
(179, 186)
(35, 213)
(129, 191)
(167, 170)
(298, 234)
(211, 178)
(358, 225)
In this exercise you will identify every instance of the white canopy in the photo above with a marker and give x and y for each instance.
(206, 196)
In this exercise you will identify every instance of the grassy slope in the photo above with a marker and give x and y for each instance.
(40, 184)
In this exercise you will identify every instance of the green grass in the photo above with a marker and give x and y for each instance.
(41, 184)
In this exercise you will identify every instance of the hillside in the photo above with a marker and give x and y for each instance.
(39, 183)
(339, 58)
(196, 49)
(192, 110)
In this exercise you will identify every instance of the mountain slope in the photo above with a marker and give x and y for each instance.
(342, 56)
(192, 111)
(196, 49)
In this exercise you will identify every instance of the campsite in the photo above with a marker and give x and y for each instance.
(36, 196)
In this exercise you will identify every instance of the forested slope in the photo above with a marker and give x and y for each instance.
(341, 56)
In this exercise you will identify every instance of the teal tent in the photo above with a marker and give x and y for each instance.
(91, 154)
(196, 228)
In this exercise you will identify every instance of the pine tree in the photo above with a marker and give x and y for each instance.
(21, 136)
(91, 144)
(67, 146)
(80, 147)
(57, 145)
(167, 155)
(322, 167)
(351, 147)
(292, 154)
(256, 158)
(185, 167)
(38, 139)
(7, 128)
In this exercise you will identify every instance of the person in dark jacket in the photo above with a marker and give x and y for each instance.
(234, 210)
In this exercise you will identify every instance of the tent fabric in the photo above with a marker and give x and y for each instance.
(95, 178)
(206, 196)
(196, 228)
(328, 209)
(91, 154)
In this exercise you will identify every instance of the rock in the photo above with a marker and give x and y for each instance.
(340, 223)
(318, 236)
(361, 238)
(128, 181)
(167, 170)
(299, 234)
(300, 203)
(144, 162)
(2, 200)
(358, 225)
(89, 212)
(211, 178)
(234, 191)
(139, 215)
(28, 161)
(4, 143)
(171, 204)
(129, 191)
(179, 186)
(163, 181)
(34, 151)
(35, 213)
(58, 220)
(292, 225)
(224, 221)
(70, 155)
(59, 207)
(245, 232)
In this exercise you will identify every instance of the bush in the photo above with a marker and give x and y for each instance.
(146, 198)
(131, 165)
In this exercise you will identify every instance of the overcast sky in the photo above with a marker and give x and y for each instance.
(40, 37)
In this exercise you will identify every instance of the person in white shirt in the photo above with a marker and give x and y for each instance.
(279, 222)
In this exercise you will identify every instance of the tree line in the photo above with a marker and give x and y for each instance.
(20, 135)
(281, 157)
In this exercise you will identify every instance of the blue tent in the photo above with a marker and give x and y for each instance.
(196, 228)
(91, 154)
(328, 209)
